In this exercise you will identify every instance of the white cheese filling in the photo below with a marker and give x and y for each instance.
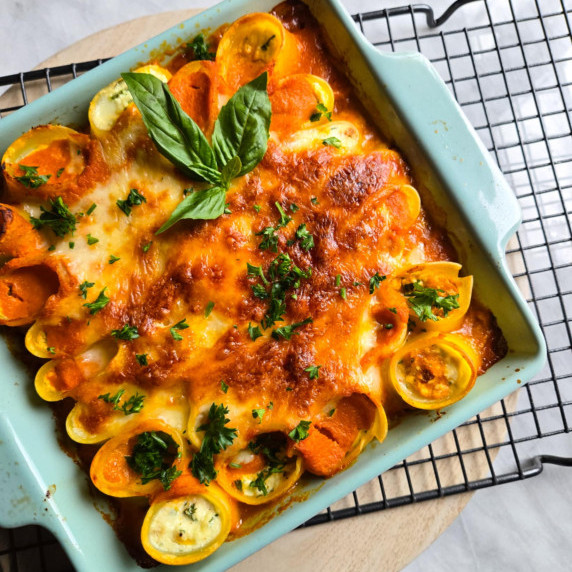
(184, 525)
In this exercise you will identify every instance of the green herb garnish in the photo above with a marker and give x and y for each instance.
(83, 288)
(134, 199)
(375, 281)
(127, 333)
(254, 332)
(182, 325)
(99, 303)
(333, 142)
(300, 432)
(321, 109)
(217, 437)
(153, 456)
(313, 371)
(423, 300)
(239, 140)
(287, 332)
(258, 413)
(133, 405)
(30, 178)
(209, 308)
(305, 238)
(141, 359)
(200, 49)
(59, 219)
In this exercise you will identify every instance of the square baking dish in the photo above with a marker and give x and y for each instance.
(413, 108)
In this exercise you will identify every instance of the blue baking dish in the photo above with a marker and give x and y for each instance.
(413, 107)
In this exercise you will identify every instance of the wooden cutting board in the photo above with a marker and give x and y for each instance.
(386, 540)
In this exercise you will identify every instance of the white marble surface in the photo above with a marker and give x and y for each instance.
(516, 527)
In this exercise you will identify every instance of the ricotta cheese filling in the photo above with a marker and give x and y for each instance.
(185, 525)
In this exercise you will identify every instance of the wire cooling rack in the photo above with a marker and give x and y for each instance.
(511, 72)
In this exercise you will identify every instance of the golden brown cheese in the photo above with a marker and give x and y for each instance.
(188, 296)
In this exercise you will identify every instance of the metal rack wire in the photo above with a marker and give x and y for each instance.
(511, 72)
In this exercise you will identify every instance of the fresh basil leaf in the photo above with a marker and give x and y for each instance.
(204, 205)
(176, 135)
(242, 126)
(230, 171)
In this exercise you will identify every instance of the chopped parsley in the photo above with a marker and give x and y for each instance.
(134, 199)
(305, 238)
(59, 219)
(71, 244)
(284, 275)
(91, 240)
(423, 300)
(113, 259)
(284, 218)
(338, 279)
(235, 465)
(331, 412)
(321, 109)
(133, 405)
(313, 371)
(287, 332)
(238, 484)
(294, 207)
(344, 293)
(270, 240)
(51, 248)
(223, 386)
(254, 332)
(98, 304)
(59, 172)
(300, 432)
(83, 288)
(30, 178)
(127, 333)
(256, 271)
(332, 142)
(141, 359)
(217, 437)
(258, 413)
(375, 281)
(209, 308)
(51, 349)
(182, 325)
(190, 511)
(153, 456)
(393, 310)
(266, 445)
(388, 326)
(146, 247)
(314, 201)
(257, 208)
(91, 209)
(200, 49)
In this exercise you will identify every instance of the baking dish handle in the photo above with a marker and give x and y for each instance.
(429, 113)
(21, 501)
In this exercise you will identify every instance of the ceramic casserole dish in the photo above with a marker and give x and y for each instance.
(414, 109)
